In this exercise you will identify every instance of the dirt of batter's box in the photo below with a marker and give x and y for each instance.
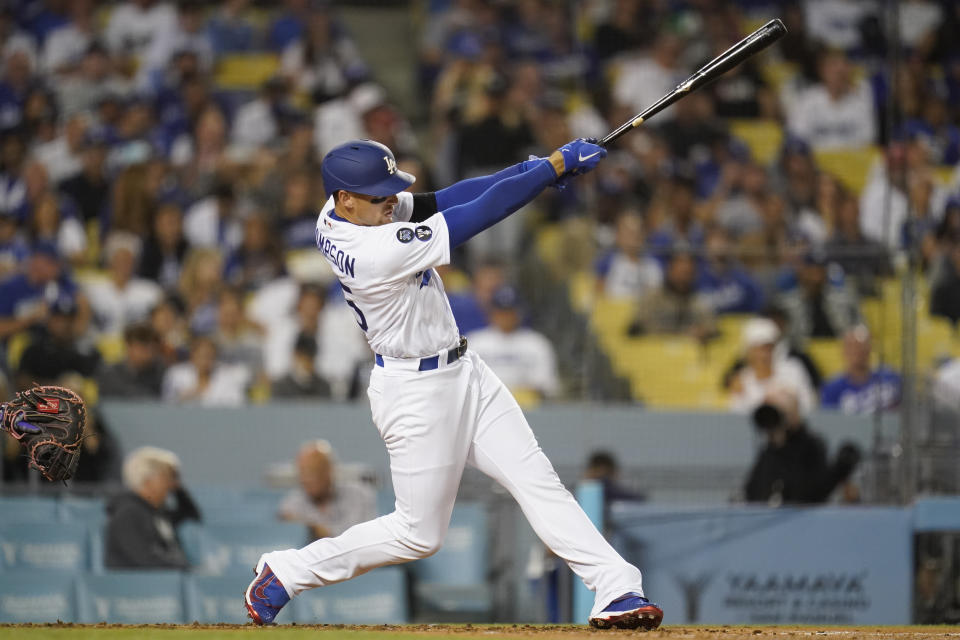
(567, 632)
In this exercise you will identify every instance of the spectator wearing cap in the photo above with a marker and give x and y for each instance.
(864, 260)
(140, 373)
(626, 271)
(134, 24)
(675, 308)
(836, 113)
(204, 379)
(727, 286)
(764, 371)
(861, 388)
(166, 247)
(55, 349)
(89, 190)
(302, 381)
(522, 357)
(26, 298)
(820, 304)
(122, 299)
(13, 249)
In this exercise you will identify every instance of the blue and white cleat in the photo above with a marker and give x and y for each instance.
(629, 611)
(265, 596)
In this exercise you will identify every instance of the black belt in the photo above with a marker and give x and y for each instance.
(433, 362)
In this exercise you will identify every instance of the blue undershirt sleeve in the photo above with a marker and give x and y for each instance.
(467, 190)
(500, 200)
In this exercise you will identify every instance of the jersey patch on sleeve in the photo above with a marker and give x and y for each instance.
(423, 232)
(404, 234)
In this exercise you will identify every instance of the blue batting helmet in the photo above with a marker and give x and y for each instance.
(363, 166)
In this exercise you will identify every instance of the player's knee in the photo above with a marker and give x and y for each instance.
(423, 544)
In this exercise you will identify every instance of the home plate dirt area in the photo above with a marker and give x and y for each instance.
(461, 631)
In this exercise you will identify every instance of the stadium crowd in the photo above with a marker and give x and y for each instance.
(157, 216)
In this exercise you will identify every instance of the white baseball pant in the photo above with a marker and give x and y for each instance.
(433, 423)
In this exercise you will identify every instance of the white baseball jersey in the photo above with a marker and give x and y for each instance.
(388, 279)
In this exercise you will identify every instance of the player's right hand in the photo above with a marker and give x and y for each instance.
(578, 156)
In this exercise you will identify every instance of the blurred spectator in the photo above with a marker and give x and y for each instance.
(13, 249)
(140, 374)
(170, 325)
(936, 130)
(646, 78)
(838, 23)
(258, 123)
(602, 466)
(65, 46)
(186, 34)
(200, 280)
(302, 381)
(861, 388)
(821, 304)
(204, 380)
(95, 86)
(230, 28)
(864, 260)
(16, 82)
(289, 25)
(141, 529)
(521, 357)
(213, 222)
(135, 24)
(237, 338)
(675, 308)
(55, 350)
(763, 371)
(121, 298)
(298, 212)
(327, 503)
(793, 468)
(89, 190)
(627, 27)
(201, 153)
(259, 259)
(722, 282)
(470, 308)
(26, 298)
(165, 249)
(134, 198)
(945, 294)
(626, 271)
(324, 58)
(675, 220)
(51, 223)
(836, 113)
(737, 202)
(62, 156)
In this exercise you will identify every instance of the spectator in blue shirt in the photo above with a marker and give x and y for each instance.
(470, 307)
(26, 298)
(230, 30)
(13, 250)
(726, 285)
(860, 388)
(289, 26)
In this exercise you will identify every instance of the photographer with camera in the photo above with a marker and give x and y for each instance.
(793, 468)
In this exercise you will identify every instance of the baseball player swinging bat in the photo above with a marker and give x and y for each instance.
(749, 46)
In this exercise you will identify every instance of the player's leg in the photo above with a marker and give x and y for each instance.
(421, 420)
(505, 449)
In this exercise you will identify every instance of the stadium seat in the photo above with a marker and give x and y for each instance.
(850, 166)
(84, 510)
(217, 599)
(28, 509)
(37, 596)
(65, 546)
(132, 597)
(763, 137)
(454, 580)
(828, 354)
(245, 71)
(220, 549)
(378, 597)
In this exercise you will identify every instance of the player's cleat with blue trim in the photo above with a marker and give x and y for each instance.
(265, 596)
(629, 611)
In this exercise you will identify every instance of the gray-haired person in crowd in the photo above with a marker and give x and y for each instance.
(141, 527)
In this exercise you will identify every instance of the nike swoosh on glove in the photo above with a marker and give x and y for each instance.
(581, 155)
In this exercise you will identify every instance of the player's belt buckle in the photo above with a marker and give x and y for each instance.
(461, 347)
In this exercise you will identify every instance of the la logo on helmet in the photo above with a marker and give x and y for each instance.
(391, 164)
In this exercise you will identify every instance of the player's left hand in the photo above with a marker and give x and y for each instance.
(48, 422)
(577, 157)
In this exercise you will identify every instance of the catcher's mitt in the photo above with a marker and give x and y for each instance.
(48, 422)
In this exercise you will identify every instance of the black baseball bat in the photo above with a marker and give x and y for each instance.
(752, 44)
